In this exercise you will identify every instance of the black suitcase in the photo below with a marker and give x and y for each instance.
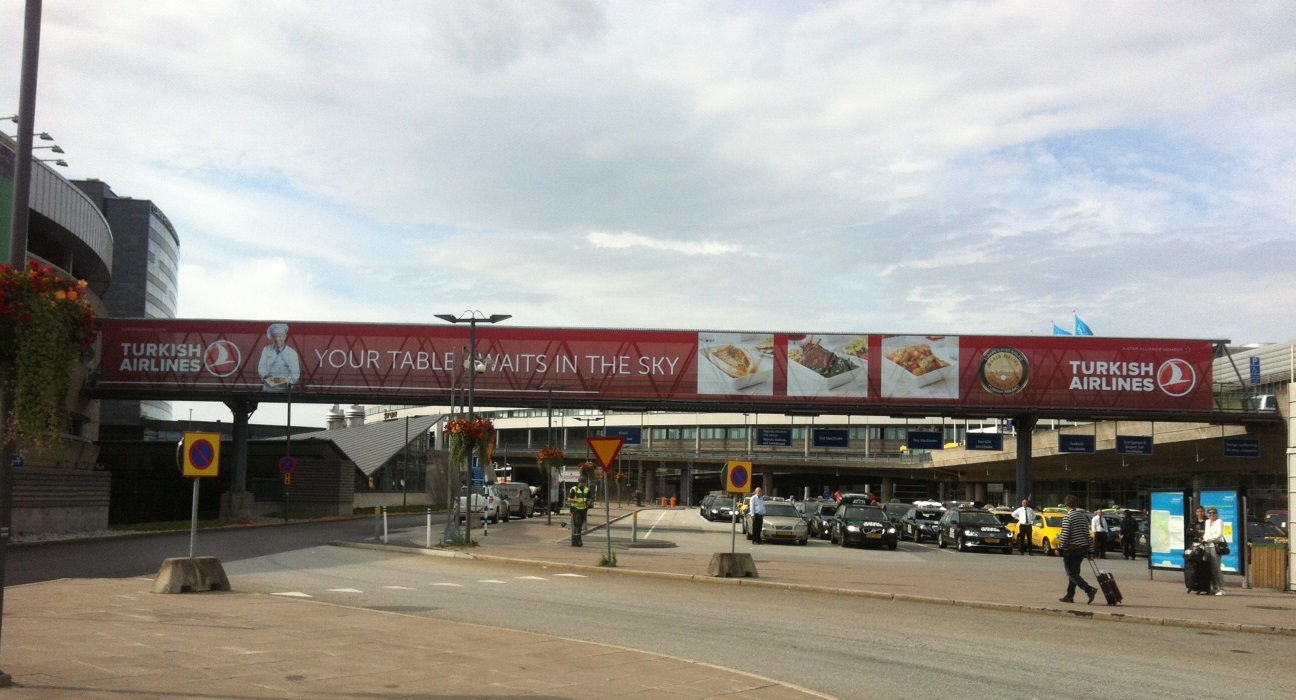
(1197, 573)
(1107, 582)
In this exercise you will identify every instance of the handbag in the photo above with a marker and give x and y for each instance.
(1222, 548)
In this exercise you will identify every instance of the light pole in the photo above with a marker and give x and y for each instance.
(588, 420)
(472, 318)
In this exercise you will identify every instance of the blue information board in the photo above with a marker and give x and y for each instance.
(633, 436)
(1134, 445)
(830, 437)
(1241, 447)
(988, 442)
(1226, 502)
(774, 437)
(1255, 370)
(1166, 530)
(1077, 444)
(925, 440)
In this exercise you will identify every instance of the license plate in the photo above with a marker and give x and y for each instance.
(873, 536)
(992, 540)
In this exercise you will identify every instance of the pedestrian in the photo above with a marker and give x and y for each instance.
(1128, 533)
(1196, 529)
(1025, 517)
(578, 498)
(1215, 541)
(1098, 528)
(1076, 546)
(756, 508)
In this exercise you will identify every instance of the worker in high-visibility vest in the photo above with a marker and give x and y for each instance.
(578, 498)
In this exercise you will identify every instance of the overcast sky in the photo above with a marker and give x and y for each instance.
(886, 167)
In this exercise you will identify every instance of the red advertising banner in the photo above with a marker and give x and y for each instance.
(318, 361)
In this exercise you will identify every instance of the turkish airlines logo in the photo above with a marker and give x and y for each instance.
(222, 358)
(1176, 377)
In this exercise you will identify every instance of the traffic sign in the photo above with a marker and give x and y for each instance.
(606, 449)
(1255, 370)
(287, 464)
(201, 454)
(738, 476)
(287, 478)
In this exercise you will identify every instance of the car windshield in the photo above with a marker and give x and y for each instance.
(1256, 530)
(897, 508)
(864, 513)
(927, 515)
(1053, 520)
(828, 509)
(979, 519)
(781, 510)
(722, 503)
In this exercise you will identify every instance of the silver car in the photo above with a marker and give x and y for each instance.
(782, 523)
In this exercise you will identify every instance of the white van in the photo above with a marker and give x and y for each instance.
(521, 500)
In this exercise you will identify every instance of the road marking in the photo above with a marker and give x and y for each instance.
(490, 580)
(237, 650)
(345, 590)
(654, 525)
(531, 578)
(399, 588)
(572, 575)
(293, 594)
(453, 585)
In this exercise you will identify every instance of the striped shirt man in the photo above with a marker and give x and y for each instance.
(1075, 531)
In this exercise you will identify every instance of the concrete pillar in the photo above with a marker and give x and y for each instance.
(888, 490)
(969, 492)
(1025, 425)
(238, 503)
(980, 491)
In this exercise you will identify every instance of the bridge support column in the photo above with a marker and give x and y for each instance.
(237, 503)
(1025, 425)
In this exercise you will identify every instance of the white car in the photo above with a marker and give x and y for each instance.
(487, 502)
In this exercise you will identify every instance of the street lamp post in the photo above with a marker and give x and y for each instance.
(472, 318)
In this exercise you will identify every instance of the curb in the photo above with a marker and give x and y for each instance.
(1098, 614)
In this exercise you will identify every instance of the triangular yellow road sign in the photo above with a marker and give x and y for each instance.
(606, 449)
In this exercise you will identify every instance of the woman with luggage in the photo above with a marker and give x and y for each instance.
(1213, 538)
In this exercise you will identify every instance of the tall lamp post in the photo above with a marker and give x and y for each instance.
(472, 318)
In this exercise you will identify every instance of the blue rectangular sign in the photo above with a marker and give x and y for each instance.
(1134, 445)
(1166, 530)
(925, 440)
(989, 442)
(633, 436)
(831, 437)
(1077, 444)
(1241, 447)
(1226, 502)
(774, 437)
(1255, 370)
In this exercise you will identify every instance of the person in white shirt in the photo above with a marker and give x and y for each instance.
(757, 510)
(1098, 530)
(1213, 538)
(1025, 517)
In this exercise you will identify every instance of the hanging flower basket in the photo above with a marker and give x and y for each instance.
(621, 477)
(46, 323)
(466, 435)
(589, 470)
(550, 458)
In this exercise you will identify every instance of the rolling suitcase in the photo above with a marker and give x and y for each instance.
(1197, 574)
(1107, 582)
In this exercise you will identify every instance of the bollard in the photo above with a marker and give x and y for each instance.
(672, 501)
(634, 527)
(377, 522)
(384, 511)
(429, 528)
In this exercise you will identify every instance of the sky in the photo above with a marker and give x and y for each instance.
(962, 168)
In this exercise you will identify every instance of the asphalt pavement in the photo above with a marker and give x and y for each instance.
(101, 638)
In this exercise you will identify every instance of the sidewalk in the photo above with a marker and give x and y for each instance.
(988, 580)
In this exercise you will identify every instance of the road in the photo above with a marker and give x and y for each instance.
(845, 647)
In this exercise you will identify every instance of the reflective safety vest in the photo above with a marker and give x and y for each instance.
(579, 497)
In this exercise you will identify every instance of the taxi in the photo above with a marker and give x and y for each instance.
(1046, 531)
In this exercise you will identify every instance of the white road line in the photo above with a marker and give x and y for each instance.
(654, 525)
(531, 578)
(399, 588)
(452, 585)
(490, 580)
(345, 590)
(293, 594)
(571, 575)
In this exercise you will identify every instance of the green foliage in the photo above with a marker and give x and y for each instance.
(608, 560)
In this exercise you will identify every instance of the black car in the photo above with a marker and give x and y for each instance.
(862, 525)
(820, 519)
(720, 508)
(896, 510)
(973, 528)
(921, 524)
(705, 507)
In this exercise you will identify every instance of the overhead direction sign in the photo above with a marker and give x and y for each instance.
(738, 476)
(606, 448)
(201, 454)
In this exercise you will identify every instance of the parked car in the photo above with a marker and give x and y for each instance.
(1003, 514)
(1278, 516)
(1046, 531)
(487, 502)
(705, 507)
(782, 523)
(863, 525)
(1112, 541)
(1265, 531)
(921, 523)
(820, 519)
(973, 528)
(520, 499)
(896, 510)
(721, 508)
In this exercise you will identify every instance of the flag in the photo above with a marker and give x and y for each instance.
(1059, 330)
(1081, 327)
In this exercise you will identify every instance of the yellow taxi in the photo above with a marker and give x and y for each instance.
(1045, 532)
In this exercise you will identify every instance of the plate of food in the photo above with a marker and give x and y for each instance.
(736, 367)
(813, 368)
(918, 363)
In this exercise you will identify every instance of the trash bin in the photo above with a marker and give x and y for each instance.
(1268, 565)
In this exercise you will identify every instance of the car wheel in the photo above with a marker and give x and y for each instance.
(802, 543)
(959, 543)
(893, 546)
(940, 541)
(917, 537)
(843, 541)
(1048, 549)
(507, 514)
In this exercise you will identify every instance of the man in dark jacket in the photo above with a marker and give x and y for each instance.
(1128, 534)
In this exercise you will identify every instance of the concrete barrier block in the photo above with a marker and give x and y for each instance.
(191, 574)
(732, 565)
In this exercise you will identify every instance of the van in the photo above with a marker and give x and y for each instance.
(520, 499)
